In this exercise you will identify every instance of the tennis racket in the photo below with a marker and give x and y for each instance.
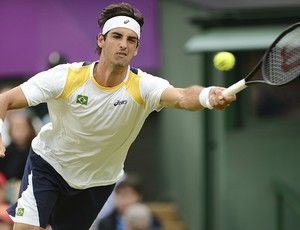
(279, 65)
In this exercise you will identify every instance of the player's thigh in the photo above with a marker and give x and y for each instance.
(39, 192)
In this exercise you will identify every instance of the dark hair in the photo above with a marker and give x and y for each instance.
(121, 9)
(131, 182)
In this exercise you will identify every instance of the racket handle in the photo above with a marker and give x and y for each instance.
(235, 88)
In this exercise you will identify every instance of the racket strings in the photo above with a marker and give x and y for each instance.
(282, 63)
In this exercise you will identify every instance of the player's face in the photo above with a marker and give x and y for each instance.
(120, 46)
(125, 197)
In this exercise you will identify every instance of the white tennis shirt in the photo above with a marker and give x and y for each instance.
(92, 127)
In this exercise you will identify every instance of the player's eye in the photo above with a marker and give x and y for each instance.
(116, 36)
(132, 40)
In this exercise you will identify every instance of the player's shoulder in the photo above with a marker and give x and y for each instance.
(139, 72)
(73, 65)
(146, 76)
(72, 70)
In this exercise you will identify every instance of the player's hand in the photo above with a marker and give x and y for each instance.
(2, 148)
(218, 100)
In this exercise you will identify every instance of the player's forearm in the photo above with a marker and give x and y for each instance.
(190, 98)
(9, 100)
(182, 98)
(197, 97)
(12, 99)
(3, 107)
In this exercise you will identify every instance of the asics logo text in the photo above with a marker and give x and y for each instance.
(120, 102)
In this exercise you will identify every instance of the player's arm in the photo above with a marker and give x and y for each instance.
(189, 98)
(9, 100)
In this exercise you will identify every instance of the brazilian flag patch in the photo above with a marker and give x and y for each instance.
(20, 212)
(82, 99)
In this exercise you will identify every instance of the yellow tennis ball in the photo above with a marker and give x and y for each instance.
(224, 61)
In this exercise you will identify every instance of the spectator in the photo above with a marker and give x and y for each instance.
(6, 222)
(137, 217)
(127, 193)
(21, 131)
(3, 193)
(108, 206)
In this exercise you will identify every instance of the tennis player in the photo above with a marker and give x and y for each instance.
(97, 110)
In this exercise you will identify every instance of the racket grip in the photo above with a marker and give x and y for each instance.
(235, 88)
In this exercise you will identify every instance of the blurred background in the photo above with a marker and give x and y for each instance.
(230, 170)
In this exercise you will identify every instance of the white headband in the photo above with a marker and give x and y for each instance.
(124, 22)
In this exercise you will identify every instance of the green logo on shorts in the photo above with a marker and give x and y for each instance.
(20, 212)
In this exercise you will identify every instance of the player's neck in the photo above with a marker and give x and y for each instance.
(108, 76)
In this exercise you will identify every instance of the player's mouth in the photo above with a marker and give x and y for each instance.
(122, 54)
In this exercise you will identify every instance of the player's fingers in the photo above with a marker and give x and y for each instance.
(227, 99)
(217, 90)
(217, 103)
(218, 100)
(230, 98)
(223, 102)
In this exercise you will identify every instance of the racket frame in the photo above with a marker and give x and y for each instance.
(242, 84)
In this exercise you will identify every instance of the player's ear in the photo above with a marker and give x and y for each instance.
(136, 50)
(101, 40)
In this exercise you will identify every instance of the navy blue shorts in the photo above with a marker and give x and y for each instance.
(45, 198)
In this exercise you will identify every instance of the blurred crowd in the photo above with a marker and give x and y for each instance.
(125, 209)
(20, 127)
